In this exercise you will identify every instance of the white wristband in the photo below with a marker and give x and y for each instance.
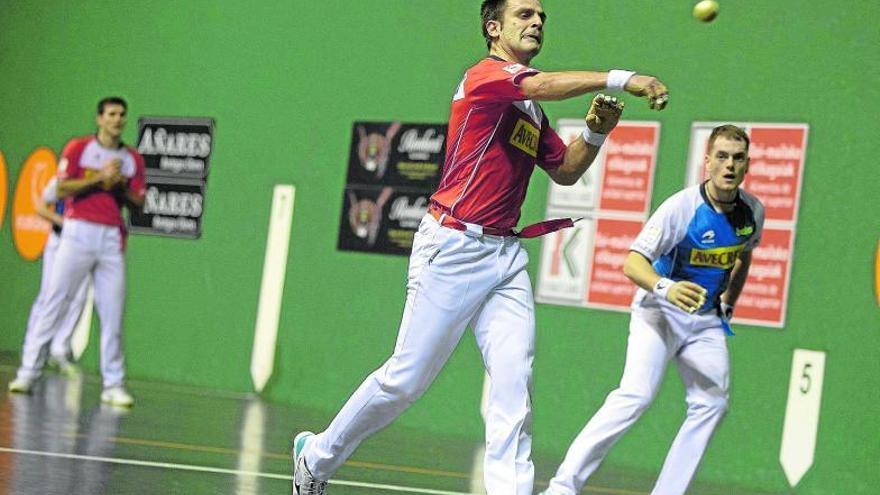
(661, 288)
(617, 79)
(594, 138)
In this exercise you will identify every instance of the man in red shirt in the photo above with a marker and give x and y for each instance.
(97, 175)
(467, 266)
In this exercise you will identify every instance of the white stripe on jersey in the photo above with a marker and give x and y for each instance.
(476, 166)
(531, 109)
(457, 144)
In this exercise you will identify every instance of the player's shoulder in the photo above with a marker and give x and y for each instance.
(752, 202)
(750, 199)
(77, 144)
(686, 199)
(494, 65)
(132, 151)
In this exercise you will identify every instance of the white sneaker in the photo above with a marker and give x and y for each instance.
(21, 386)
(303, 481)
(117, 396)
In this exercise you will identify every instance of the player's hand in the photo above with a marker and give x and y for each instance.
(726, 312)
(688, 296)
(604, 113)
(651, 88)
(110, 175)
(113, 164)
(117, 181)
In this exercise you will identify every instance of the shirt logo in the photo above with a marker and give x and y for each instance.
(512, 68)
(525, 137)
(724, 257)
(708, 237)
(747, 230)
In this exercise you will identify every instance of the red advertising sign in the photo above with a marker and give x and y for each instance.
(583, 266)
(630, 154)
(764, 297)
(776, 168)
(608, 286)
(565, 260)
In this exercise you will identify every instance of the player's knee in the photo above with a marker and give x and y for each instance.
(515, 379)
(721, 405)
(714, 405)
(637, 401)
(399, 390)
(404, 392)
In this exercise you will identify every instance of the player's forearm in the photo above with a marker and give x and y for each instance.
(578, 158)
(75, 187)
(45, 212)
(638, 269)
(562, 85)
(738, 276)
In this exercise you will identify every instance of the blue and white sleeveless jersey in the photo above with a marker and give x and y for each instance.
(686, 239)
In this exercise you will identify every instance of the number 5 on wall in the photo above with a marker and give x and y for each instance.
(802, 414)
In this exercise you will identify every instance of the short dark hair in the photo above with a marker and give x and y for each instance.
(728, 131)
(490, 10)
(111, 100)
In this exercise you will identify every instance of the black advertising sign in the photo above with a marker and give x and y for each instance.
(393, 168)
(177, 154)
(396, 154)
(172, 208)
(176, 147)
(381, 220)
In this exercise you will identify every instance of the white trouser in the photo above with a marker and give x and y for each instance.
(60, 344)
(85, 248)
(703, 363)
(455, 279)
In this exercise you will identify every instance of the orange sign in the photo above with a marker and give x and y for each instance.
(29, 231)
(3, 184)
(877, 273)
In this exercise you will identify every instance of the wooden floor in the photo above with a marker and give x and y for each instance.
(178, 440)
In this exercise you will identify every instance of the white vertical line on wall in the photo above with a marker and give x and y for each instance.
(272, 287)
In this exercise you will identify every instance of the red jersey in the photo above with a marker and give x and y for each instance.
(496, 136)
(83, 157)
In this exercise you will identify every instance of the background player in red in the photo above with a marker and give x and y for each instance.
(97, 175)
(467, 266)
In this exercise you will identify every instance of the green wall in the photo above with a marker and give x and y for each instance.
(285, 80)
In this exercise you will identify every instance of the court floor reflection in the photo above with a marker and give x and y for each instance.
(52, 421)
(186, 440)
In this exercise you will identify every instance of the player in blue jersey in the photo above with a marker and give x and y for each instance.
(690, 262)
